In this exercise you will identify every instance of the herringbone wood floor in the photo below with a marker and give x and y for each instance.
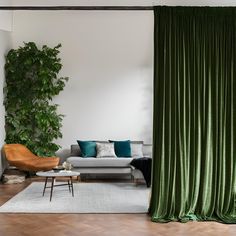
(98, 224)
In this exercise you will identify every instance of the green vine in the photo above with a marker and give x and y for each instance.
(31, 83)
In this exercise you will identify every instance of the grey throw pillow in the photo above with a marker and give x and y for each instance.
(105, 150)
(136, 150)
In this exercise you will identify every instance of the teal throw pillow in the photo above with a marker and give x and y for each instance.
(88, 148)
(122, 148)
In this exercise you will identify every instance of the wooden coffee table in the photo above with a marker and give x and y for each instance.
(53, 175)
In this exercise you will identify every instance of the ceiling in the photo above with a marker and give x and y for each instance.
(117, 2)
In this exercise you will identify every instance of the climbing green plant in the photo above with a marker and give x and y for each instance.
(31, 83)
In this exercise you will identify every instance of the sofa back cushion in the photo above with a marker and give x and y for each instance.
(147, 150)
(75, 149)
(136, 150)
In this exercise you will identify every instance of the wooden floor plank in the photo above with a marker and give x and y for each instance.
(97, 224)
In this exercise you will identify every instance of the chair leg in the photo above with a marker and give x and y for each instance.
(28, 175)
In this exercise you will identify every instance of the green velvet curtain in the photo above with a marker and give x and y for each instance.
(194, 146)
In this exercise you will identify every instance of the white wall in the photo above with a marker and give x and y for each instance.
(5, 45)
(6, 20)
(6, 16)
(108, 57)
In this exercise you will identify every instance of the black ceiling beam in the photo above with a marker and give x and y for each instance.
(77, 8)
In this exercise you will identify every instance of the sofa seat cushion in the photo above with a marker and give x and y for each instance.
(99, 162)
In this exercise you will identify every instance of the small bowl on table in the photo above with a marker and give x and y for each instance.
(58, 168)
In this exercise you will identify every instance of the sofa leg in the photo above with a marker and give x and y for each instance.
(136, 182)
(132, 178)
(78, 178)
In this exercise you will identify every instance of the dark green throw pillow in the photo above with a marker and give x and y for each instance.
(122, 148)
(88, 148)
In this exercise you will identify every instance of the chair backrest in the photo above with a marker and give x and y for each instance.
(15, 152)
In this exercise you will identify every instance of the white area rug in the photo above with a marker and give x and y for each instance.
(89, 198)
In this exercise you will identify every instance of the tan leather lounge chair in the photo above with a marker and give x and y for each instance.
(21, 157)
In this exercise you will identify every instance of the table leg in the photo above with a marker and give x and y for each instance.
(72, 188)
(52, 188)
(45, 185)
(69, 185)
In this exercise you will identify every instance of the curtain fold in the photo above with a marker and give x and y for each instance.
(194, 137)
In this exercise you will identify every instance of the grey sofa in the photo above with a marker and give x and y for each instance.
(106, 166)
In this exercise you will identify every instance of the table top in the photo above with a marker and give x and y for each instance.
(62, 173)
